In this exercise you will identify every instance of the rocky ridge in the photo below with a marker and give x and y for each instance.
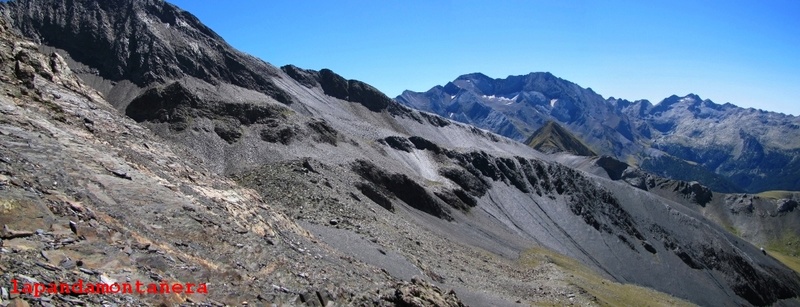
(160, 43)
(332, 172)
(90, 195)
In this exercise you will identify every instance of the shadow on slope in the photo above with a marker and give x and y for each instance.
(552, 138)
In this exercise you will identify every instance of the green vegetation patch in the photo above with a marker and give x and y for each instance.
(777, 194)
(790, 261)
(730, 228)
(607, 292)
(786, 250)
(788, 244)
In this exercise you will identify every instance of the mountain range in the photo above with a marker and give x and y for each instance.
(137, 145)
(728, 148)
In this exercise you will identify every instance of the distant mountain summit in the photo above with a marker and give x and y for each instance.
(754, 149)
(552, 138)
(519, 105)
(729, 148)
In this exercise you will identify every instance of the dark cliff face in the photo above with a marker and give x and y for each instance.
(142, 41)
(334, 85)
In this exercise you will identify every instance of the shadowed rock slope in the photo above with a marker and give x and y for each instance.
(552, 138)
(358, 199)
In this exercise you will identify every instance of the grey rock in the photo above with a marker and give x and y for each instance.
(67, 263)
(786, 205)
(193, 50)
(404, 188)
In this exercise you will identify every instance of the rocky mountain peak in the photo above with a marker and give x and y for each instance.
(692, 104)
(693, 96)
(690, 99)
(670, 102)
(142, 41)
(542, 76)
(477, 76)
(477, 82)
(516, 106)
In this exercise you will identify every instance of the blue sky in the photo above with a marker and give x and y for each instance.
(743, 52)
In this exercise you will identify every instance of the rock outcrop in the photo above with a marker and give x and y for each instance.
(145, 42)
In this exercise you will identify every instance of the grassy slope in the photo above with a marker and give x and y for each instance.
(788, 244)
(790, 261)
(777, 194)
(608, 293)
(786, 250)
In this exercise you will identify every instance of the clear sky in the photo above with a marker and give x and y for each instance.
(743, 52)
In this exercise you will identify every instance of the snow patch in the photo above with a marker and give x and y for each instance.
(553, 102)
(501, 98)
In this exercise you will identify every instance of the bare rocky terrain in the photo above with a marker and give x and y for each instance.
(144, 210)
(184, 160)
